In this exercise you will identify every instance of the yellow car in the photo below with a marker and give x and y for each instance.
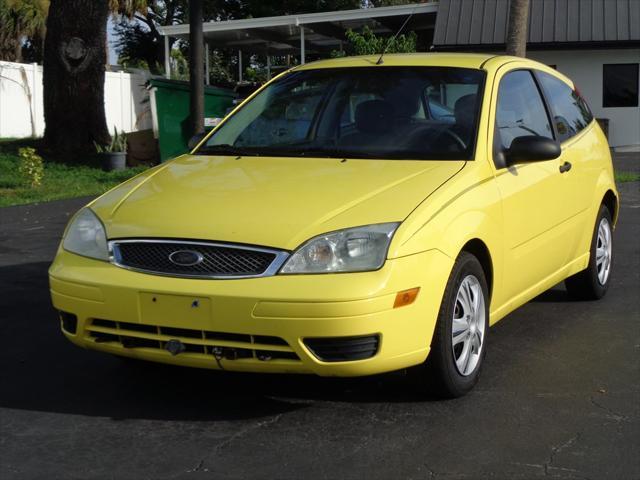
(351, 217)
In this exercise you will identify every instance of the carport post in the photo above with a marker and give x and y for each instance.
(196, 67)
(301, 45)
(167, 63)
(206, 63)
(239, 66)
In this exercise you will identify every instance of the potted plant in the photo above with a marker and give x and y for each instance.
(114, 155)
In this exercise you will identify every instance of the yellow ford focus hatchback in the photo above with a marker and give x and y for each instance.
(351, 218)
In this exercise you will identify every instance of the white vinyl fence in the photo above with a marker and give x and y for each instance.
(21, 108)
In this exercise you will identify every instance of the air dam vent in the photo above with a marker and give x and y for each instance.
(343, 349)
(202, 343)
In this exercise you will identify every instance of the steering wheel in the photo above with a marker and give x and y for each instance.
(418, 136)
(455, 137)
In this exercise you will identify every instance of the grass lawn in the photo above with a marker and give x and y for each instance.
(60, 180)
(622, 177)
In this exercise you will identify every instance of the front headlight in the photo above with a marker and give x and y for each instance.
(351, 250)
(86, 236)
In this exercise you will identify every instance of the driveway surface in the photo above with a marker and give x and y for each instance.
(559, 396)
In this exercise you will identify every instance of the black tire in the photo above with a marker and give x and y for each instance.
(586, 285)
(439, 375)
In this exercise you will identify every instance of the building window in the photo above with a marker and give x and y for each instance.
(620, 85)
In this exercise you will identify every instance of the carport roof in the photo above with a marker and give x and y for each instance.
(322, 31)
(482, 24)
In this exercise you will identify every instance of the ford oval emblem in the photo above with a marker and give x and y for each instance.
(186, 258)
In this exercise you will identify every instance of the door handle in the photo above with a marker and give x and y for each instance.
(565, 167)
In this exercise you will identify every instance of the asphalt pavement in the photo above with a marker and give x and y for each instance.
(559, 396)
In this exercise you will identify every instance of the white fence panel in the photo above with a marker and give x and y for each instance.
(21, 109)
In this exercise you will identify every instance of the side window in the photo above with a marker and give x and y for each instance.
(520, 111)
(570, 112)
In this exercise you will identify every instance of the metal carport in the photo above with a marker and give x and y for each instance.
(302, 33)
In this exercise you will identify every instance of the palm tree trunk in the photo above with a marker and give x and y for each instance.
(18, 50)
(517, 29)
(73, 76)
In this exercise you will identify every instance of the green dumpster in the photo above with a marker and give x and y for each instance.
(170, 112)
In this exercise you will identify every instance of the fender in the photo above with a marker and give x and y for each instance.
(603, 188)
(469, 209)
(604, 185)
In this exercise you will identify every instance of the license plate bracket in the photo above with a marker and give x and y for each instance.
(181, 311)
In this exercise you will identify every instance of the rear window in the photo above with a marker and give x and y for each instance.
(571, 113)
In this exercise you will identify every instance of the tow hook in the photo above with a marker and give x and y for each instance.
(174, 347)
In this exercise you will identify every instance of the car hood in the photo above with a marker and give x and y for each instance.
(276, 202)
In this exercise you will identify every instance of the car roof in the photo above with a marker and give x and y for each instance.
(486, 61)
(464, 60)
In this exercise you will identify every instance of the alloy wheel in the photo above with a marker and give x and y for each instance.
(468, 326)
(603, 251)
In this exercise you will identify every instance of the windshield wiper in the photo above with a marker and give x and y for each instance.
(225, 149)
(328, 153)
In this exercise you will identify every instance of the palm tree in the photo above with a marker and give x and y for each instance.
(21, 20)
(74, 72)
(517, 31)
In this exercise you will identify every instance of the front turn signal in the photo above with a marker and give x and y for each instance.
(406, 297)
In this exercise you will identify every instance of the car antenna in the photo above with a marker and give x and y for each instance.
(379, 62)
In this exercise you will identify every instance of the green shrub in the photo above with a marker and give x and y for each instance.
(31, 167)
(118, 143)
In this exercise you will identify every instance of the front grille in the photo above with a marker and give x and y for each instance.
(343, 349)
(230, 346)
(211, 260)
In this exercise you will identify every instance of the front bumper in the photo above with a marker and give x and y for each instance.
(265, 320)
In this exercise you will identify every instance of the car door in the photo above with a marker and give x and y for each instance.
(534, 210)
(581, 151)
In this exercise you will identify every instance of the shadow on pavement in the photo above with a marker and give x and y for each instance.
(555, 295)
(40, 370)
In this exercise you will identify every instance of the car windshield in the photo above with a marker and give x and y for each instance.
(365, 112)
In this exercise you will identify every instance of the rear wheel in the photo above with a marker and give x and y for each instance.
(592, 283)
(459, 343)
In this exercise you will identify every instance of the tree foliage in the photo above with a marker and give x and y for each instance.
(139, 42)
(128, 8)
(367, 42)
(23, 25)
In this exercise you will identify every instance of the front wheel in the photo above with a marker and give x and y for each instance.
(592, 283)
(459, 343)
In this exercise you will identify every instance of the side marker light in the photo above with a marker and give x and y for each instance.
(406, 297)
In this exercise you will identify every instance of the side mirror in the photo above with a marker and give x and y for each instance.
(532, 148)
(195, 140)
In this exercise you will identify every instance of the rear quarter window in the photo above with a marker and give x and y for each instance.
(571, 114)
